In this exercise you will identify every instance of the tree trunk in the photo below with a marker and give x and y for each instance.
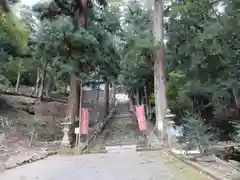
(49, 86)
(19, 76)
(37, 81)
(146, 100)
(41, 90)
(159, 78)
(18, 82)
(98, 91)
(78, 97)
(79, 113)
(65, 87)
(106, 97)
(113, 95)
(236, 99)
(142, 98)
(74, 97)
(150, 106)
(137, 97)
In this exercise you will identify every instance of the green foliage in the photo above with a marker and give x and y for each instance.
(138, 49)
(197, 134)
(15, 30)
(204, 47)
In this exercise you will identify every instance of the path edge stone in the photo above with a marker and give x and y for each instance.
(31, 160)
(196, 166)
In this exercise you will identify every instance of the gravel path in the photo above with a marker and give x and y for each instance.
(119, 165)
(108, 166)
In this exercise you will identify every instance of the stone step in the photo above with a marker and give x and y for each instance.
(120, 150)
(121, 116)
(124, 148)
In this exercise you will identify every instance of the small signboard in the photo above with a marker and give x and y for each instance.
(77, 130)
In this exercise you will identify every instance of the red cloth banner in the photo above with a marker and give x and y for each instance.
(141, 118)
(85, 120)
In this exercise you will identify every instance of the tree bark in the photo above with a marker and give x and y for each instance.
(49, 86)
(65, 87)
(42, 85)
(98, 91)
(18, 82)
(146, 100)
(72, 98)
(78, 98)
(74, 95)
(19, 76)
(137, 97)
(37, 81)
(113, 94)
(236, 99)
(159, 78)
(106, 97)
(35, 90)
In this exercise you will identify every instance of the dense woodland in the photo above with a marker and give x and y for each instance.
(50, 47)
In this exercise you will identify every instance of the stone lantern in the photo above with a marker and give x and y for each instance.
(66, 128)
(169, 126)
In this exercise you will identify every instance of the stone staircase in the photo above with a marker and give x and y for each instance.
(122, 134)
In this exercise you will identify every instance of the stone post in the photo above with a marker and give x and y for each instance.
(169, 125)
(66, 128)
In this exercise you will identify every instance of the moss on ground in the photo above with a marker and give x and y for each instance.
(182, 170)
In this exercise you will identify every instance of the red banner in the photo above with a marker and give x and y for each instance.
(141, 118)
(85, 120)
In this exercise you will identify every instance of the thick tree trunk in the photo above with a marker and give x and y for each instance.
(43, 76)
(78, 98)
(106, 97)
(159, 78)
(74, 95)
(72, 98)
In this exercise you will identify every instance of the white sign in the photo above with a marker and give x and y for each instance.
(77, 130)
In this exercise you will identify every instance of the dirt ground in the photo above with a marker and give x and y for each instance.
(29, 127)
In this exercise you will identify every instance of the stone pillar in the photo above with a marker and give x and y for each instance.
(66, 128)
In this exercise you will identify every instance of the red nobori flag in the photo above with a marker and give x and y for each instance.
(85, 120)
(141, 118)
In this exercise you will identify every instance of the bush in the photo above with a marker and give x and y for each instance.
(197, 134)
